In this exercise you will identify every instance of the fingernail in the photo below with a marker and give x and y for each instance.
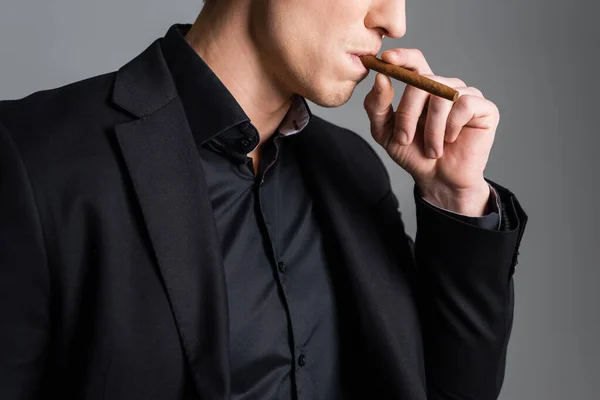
(378, 88)
(403, 136)
(431, 153)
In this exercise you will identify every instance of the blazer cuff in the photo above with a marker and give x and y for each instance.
(471, 240)
(491, 220)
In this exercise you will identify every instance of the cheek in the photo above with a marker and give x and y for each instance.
(306, 47)
(308, 23)
(310, 38)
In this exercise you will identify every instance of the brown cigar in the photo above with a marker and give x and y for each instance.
(409, 77)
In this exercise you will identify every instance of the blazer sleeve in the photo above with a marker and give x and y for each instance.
(24, 281)
(464, 286)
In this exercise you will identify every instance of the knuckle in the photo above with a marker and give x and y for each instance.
(367, 106)
(459, 82)
(495, 108)
(407, 114)
(476, 91)
(466, 101)
(370, 103)
(431, 133)
(436, 103)
(451, 124)
(389, 51)
(397, 52)
(367, 102)
(417, 53)
(496, 112)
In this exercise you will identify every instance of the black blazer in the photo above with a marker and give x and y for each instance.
(111, 281)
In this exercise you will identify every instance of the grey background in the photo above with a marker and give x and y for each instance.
(532, 58)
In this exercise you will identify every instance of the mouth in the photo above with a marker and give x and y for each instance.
(355, 57)
(364, 53)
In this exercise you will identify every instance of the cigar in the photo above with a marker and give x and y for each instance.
(409, 77)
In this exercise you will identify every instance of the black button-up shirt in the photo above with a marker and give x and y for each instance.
(284, 340)
(283, 335)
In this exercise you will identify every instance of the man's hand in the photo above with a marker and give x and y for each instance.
(444, 146)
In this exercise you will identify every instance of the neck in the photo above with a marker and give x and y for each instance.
(220, 36)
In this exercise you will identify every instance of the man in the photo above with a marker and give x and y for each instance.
(185, 228)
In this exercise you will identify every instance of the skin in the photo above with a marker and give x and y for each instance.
(265, 51)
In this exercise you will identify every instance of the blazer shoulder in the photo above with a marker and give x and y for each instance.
(61, 119)
(63, 135)
(352, 156)
(50, 107)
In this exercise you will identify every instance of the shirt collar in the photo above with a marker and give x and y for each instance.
(210, 108)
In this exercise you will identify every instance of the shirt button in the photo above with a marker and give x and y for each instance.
(302, 360)
(282, 267)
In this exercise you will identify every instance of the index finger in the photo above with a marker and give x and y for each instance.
(412, 59)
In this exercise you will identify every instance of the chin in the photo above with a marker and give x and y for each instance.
(333, 96)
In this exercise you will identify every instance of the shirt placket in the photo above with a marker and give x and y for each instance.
(267, 190)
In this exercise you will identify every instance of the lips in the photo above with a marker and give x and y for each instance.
(364, 53)
(355, 55)
(357, 64)
(356, 61)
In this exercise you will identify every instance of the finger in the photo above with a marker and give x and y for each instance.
(412, 111)
(435, 126)
(408, 114)
(378, 104)
(412, 59)
(473, 111)
(452, 131)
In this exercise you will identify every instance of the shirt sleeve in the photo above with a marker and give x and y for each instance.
(489, 221)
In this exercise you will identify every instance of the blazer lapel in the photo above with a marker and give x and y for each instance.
(161, 156)
(375, 273)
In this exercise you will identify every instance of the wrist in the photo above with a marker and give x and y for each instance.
(471, 202)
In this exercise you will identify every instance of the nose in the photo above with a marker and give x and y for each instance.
(387, 16)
